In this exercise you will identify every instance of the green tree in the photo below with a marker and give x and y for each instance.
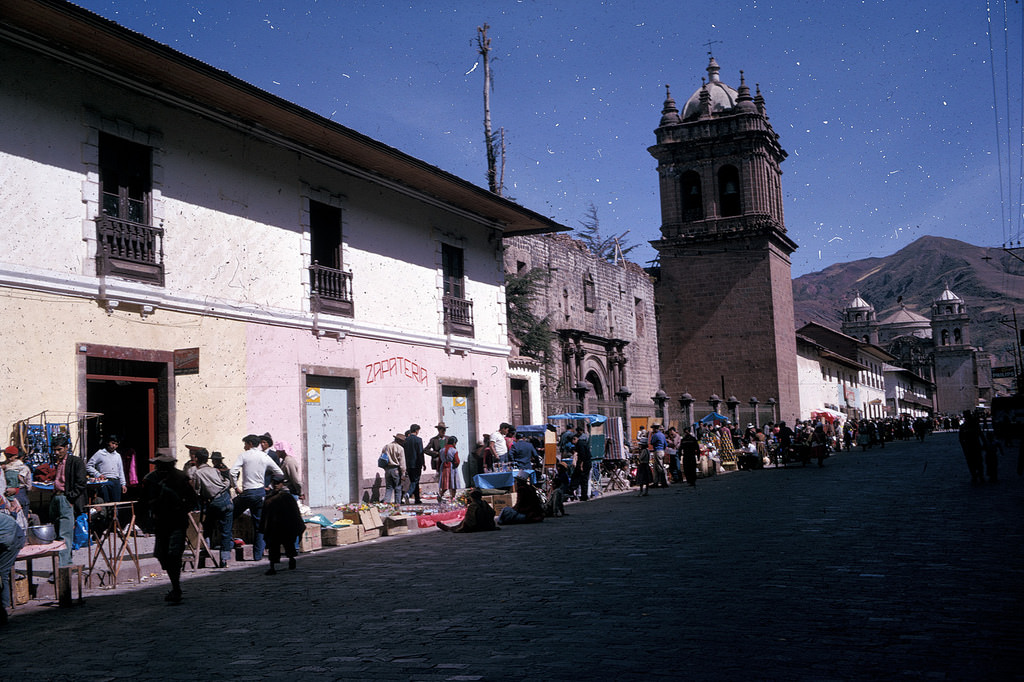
(608, 248)
(531, 332)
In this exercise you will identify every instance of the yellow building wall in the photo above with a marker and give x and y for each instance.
(39, 363)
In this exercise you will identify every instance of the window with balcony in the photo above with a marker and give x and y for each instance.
(128, 245)
(458, 311)
(330, 286)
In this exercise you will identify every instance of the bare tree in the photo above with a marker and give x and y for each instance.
(494, 183)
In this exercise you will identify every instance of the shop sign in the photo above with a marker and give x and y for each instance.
(1004, 372)
(186, 361)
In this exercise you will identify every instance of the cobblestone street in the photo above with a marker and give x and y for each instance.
(887, 564)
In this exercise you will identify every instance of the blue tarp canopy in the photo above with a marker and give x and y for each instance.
(713, 417)
(591, 418)
(533, 430)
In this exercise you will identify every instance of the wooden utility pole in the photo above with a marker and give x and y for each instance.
(483, 44)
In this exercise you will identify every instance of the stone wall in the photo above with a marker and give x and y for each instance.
(615, 316)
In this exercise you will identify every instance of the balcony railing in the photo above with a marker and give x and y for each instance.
(331, 290)
(130, 250)
(458, 316)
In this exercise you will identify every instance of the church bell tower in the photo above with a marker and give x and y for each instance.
(724, 294)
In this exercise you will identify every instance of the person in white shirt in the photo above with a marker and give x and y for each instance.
(252, 465)
(107, 463)
(499, 443)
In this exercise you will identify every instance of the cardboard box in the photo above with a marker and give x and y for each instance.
(368, 533)
(311, 538)
(370, 518)
(336, 536)
(352, 516)
(396, 524)
(499, 502)
(20, 590)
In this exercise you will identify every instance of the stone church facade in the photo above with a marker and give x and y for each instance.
(604, 354)
(724, 291)
(937, 348)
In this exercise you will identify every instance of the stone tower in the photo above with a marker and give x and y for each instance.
(724, 294)
(956, 376)
(859, 320)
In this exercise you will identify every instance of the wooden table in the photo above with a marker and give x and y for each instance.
(28, 553)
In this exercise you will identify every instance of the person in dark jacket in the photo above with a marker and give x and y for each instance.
(414, 462)
(689, 446)
(479, 516)
(69, 497)
(281, 523)
(169, 498)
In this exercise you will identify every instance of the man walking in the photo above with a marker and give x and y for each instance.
(107, 462)
(690, 447)
(658, 445)
(414, 462)
(169, 498)
(253, 465)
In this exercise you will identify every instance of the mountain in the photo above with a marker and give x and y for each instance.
(990, 280)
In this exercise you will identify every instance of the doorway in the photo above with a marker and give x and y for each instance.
(520, 391)
(331, 468)
(459, 414)
(132, 396)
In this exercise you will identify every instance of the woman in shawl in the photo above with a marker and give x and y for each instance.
(449, 461)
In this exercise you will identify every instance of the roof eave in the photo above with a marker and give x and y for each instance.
(87, 35)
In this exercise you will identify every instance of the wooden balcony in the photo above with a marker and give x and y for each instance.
(458, 316)
(331, 290)
(130, 250)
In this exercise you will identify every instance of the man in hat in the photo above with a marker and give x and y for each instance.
(281, 523)
(169, 498)
(215, 493)
(436, 445)
(267, 446)
(414, 462)
(107, 463)
(248, 474)
(395, 467)
(217, 462)
(658, 444)
(69, 497)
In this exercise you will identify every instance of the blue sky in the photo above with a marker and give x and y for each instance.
(884, 106)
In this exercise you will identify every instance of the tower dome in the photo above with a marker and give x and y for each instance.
(723, 97)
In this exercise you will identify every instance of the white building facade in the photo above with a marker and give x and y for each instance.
(187, 259)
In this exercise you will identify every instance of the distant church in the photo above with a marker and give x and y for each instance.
(724, 293)
(937, 348)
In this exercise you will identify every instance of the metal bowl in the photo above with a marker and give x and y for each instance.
(41, 535)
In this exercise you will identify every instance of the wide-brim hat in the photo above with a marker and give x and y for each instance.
(441, 425)
(164, 455)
